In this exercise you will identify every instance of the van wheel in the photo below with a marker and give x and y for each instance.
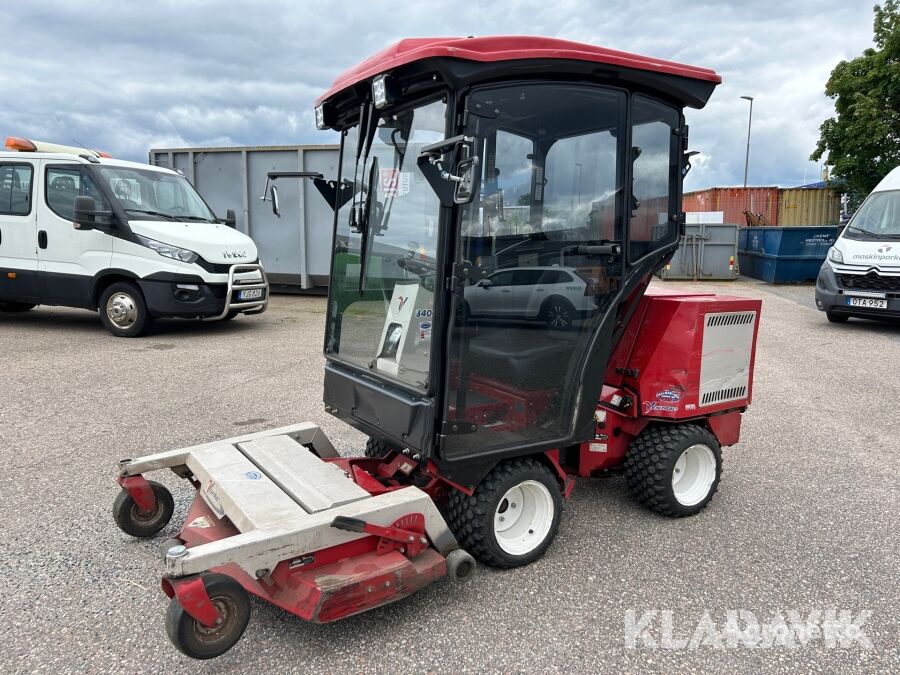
(123, 310)
(15, 306)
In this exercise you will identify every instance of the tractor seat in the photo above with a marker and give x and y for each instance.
(521, 358)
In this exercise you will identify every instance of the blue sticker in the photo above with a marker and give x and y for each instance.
(669, 395)
(253, 475)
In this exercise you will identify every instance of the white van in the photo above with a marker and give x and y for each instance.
(861, 276)
(137, 242)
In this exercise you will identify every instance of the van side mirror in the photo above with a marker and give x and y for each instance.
(230, 219)
(85, 213)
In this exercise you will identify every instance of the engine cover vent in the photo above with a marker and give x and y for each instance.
(725, 361)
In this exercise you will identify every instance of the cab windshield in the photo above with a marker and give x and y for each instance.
(878, 217)
(381, 310)
(154, 195)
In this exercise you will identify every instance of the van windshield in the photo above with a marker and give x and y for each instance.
(155, 195)
(879, 216)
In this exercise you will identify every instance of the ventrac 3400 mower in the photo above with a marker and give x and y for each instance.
(500, 207)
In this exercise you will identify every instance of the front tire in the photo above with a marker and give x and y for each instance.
(674, 469)
(123, 310)
(512, 517)
(376, 448)
(9, 306)
(131, 520)
(836, 318)
(194, 639)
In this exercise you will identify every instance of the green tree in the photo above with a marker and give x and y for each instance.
(863, 138)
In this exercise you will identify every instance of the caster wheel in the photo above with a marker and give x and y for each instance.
(460, 566)
(194, 639)
(131, 520)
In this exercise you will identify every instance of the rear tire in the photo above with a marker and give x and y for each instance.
(123, 310)
(674, 469)
(558, 313)
(512, 517)
(194, 639)
(836, 318)
(9, 306)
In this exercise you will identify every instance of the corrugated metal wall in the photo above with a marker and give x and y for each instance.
(809, 207)
(296, 248)
(784, 207)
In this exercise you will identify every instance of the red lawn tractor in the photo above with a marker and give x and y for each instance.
(500, 207)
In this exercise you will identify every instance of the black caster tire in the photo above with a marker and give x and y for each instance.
(194, 639)
(836, 318)
(674, 469)
(123, 310)
(376, 448)
(512, 517)
(460, 566)
(131, 520)
(15, 306)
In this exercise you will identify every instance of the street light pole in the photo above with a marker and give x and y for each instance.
(749, 122)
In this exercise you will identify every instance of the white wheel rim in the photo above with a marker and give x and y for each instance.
(523, 517)
(693, 475)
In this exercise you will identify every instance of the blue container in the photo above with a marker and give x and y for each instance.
(784, 255)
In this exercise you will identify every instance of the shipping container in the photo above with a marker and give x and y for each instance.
(296, 248)
(706, 251)
(784, 255)
(734, 201)
(804, 206)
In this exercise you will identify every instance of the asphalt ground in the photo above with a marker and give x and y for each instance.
(805, 519)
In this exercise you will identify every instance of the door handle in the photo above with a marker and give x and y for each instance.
(42, 239)
(605, 249)
(506, 290)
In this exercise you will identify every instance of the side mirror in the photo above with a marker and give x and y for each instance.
(449, 167)
(230, 219)
(485, 283)
(274, 197)
(85, 212)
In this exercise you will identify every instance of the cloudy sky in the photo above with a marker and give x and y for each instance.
(130, 76)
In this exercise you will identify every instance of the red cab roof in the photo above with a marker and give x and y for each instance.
(506, 48)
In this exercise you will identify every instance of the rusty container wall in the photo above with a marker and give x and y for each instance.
(806, 206)
(734, 201)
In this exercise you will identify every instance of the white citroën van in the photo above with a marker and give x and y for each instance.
(861, 276)
(136, 242)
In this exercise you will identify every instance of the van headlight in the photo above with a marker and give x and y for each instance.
(835, 255)
(182, 254)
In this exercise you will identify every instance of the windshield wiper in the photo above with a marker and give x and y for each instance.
(868, 233)
(199, 219)
(153, 213)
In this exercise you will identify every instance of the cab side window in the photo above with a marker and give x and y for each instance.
(66, 183)
(15, 189)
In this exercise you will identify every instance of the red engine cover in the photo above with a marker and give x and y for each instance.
(688, 354)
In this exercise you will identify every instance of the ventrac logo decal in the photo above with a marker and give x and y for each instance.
(234, 254)
(653, 406)
(400, 302)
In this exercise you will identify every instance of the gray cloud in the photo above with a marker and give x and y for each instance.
(127, 76)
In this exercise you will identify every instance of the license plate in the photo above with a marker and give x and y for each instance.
(250, 294)
(871, 303)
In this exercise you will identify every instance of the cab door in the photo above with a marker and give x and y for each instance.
(18, 233)
(68, 259)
